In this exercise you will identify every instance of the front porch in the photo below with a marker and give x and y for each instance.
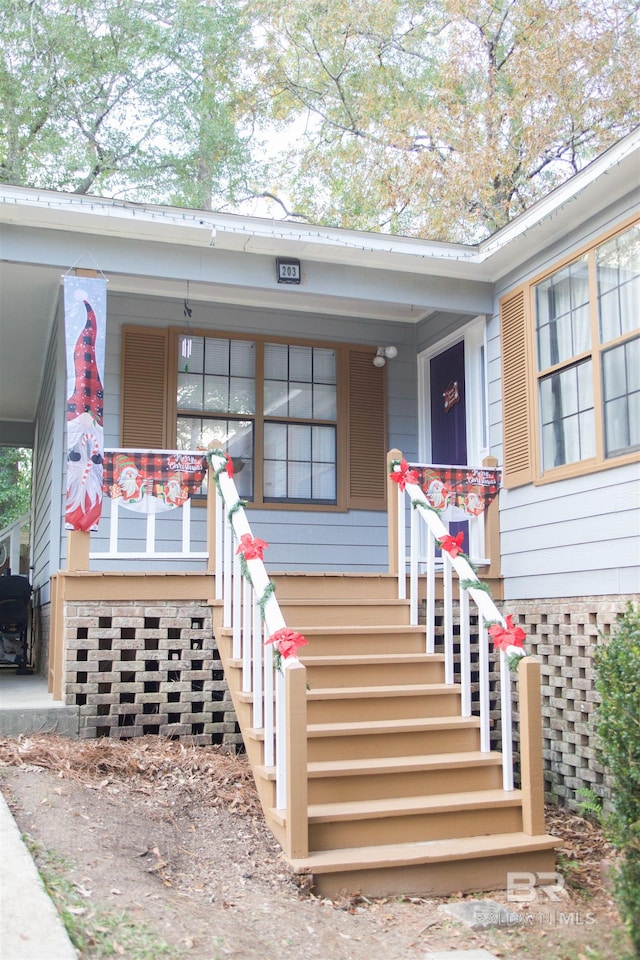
(374, 751)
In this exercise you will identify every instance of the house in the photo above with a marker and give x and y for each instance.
(309, 352)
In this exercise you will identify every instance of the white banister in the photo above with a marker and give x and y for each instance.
(10, 539)
(470, 589)
(252, 612)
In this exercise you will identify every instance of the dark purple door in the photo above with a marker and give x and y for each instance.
(448, 417)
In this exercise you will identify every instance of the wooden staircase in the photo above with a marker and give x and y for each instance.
(400, 799)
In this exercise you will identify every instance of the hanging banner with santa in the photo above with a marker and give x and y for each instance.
(85, 318)
(461, 492)
(150, 481)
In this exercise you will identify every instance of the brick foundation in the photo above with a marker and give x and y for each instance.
(140, 669)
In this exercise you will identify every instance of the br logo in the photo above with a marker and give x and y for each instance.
(526, 887)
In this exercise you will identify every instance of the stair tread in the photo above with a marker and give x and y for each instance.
(397, 806)
(390, 726)
(388, 690)
(436, 761)
(427, 851)
(362, 659)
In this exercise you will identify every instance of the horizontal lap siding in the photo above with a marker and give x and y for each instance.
(571, 537)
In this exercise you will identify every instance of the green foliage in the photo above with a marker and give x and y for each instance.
(435, 118)
(96, 933)
(444, 118)
(15, 484)
(136, 98)
(617, 664)
(590, 805)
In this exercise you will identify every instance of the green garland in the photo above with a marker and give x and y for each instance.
(268, 591)
(475, 585)
(238, 505)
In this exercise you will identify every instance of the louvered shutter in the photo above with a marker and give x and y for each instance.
(144, 381)
(516, 402)
(367, 441)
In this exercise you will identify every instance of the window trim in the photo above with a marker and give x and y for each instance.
(535, 474)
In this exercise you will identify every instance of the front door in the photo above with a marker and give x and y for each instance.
(448, 413)
(448, 417)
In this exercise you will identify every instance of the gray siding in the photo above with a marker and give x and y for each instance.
(45, 533)
(574, 537)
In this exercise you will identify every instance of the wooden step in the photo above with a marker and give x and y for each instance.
(412, 819)
(367, 586)
(365, 640)
(344, 612)
(370, 669)
(390, 702)
(427, 869)
(383, 777)
(379, 778)
(392, 738)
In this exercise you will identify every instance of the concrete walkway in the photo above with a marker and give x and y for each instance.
(30, 925)
(26, 707)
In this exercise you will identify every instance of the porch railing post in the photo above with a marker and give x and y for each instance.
(296, 734)
(212, 532)
(78, 543)
(492, 530)
(392, 515)
(531, 768)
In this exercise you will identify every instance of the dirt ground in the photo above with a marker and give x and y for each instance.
(173, 837)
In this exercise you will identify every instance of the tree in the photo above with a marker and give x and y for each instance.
(15, 484)
(443, 118)
(438, 118)
(137, 98)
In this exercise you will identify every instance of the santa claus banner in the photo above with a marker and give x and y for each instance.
(462, 492)
(152, 482)
(85, 314)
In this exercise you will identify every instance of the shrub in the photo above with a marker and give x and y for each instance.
(617, 665)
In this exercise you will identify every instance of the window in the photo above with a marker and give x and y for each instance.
(305, 423)
(583, 409)
(294, 410)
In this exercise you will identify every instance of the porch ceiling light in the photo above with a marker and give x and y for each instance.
(383, 354)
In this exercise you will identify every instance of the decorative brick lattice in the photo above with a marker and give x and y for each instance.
(134, 670)
(563, 633)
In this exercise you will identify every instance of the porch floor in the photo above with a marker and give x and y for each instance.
(27, 707)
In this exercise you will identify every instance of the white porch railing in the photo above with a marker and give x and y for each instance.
(425, 519)
(252, 612)
(11, 537)
(144, 530)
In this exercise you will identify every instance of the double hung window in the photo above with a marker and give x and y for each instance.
(272, 406)
(571, 364)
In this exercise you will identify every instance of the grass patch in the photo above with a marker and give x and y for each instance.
(95, 932)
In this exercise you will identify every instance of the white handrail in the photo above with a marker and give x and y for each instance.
(487, 613)
(10, 542)
(252, 613)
